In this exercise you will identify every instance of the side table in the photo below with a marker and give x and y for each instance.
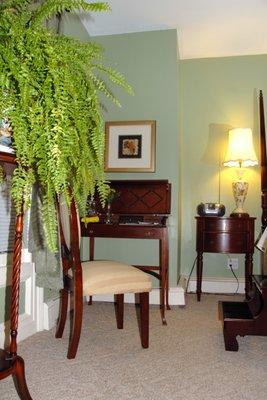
(225, 235)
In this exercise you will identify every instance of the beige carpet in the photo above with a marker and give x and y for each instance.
(186, 359)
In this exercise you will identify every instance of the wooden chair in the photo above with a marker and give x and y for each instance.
(93, 277)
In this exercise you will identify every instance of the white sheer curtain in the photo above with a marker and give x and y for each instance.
(7, 214)
(47, 264)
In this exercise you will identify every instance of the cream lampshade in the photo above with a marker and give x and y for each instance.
(240, 153)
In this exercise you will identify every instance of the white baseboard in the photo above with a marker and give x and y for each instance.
(26, 328)
(51, 313)
(27, 320)
(214, 285)
(176, 295)
(176, 298)
(45, 314)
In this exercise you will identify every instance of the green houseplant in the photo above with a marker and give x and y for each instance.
(49, 91)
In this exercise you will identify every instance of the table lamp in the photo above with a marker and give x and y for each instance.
(240, 154)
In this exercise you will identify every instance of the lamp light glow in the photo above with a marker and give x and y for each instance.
(240, 151)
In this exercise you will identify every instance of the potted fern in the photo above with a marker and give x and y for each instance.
(49, 91)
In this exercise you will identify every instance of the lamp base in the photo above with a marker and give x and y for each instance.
(239, 215)
(240, 189)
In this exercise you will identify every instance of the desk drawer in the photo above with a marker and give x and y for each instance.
(125, 231)
(224, 242)
(225, 224)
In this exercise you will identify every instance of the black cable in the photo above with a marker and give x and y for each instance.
(192, 269)
(231, 268)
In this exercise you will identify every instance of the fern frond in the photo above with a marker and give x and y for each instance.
(14, 4)
(49, 90)
(115, 77)
(51, 8)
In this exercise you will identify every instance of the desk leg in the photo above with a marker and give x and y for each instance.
(167, 291)
(166, 247)
(91, 258)
(248, 273)
(91, 248)
(164, 286)
(199, 274)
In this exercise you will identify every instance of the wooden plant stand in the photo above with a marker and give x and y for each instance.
(10, 362)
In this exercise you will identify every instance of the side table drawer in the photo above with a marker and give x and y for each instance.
(225, 224)
(224, 242)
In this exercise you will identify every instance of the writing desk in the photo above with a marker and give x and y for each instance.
(139, 211)
(138, 231)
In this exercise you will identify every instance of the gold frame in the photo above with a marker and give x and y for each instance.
(111, 136)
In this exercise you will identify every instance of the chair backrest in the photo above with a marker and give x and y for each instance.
(70, 229)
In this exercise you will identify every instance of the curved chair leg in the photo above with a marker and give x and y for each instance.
(144, 319)
(20, 380)
(119, 303)
(76, 326)
(63, 308)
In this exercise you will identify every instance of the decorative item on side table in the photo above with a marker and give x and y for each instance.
(211, 209)
(240, 154)
(130, 146)
(5, 135)
(5, 132)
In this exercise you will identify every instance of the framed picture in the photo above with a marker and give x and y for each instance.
(130, 146)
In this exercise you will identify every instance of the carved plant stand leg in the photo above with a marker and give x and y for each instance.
(10, 362)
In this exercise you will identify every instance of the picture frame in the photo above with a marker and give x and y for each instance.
(130, 146)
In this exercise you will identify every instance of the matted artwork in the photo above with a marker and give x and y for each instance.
(130, 146)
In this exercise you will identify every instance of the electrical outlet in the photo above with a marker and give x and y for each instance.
(232, 263)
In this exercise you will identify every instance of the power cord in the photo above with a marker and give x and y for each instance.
(231, 268)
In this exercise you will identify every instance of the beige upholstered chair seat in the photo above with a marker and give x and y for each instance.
(113, 277)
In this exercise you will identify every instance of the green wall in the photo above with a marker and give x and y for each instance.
(71, 26)
(195, 102)
(216, 94)
(148, 61)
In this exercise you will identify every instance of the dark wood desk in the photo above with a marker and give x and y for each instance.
(225, 235)
(159, 232)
